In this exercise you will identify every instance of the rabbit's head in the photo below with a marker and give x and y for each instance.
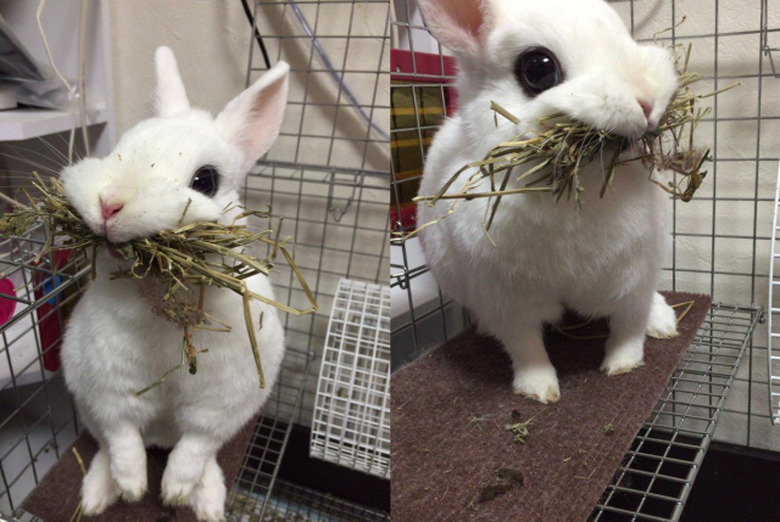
(180, 159)
(536, 59)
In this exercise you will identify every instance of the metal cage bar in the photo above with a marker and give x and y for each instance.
(327, 177)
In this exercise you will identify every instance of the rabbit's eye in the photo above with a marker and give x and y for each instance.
(537, 70)
(206, 181)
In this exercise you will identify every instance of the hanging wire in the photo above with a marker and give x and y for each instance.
(75, 93)
(258, 37)
(82, 90)
(334, 74)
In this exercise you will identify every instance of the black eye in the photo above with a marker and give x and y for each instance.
(537, 70)
(206, 181)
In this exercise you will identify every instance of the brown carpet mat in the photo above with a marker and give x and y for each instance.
(57, 497)
(453, 457)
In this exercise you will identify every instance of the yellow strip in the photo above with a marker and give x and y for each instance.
(411, 142)
(410, 111)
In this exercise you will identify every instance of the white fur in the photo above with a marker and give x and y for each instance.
(115, 345)
(602, 259)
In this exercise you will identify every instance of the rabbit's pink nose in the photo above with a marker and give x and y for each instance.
(110, 209)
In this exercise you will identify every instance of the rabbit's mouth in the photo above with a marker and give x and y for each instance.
(123, 251)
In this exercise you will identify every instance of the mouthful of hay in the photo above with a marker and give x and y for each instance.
(173, 267)
(550, 161)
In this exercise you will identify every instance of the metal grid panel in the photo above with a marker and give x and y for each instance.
(292, 503)
(258, 472)
(338, 218)
(338, 103)
(20, 517)
(326, 176)
(656, 475)
(773, 311)
(38, 419)
(351, 423)
(722, 241)
(422, 317)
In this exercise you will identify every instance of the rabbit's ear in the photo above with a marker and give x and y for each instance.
(252, 120)
(171, 97)
(456, 24)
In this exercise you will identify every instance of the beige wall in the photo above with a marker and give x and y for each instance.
(210, 40)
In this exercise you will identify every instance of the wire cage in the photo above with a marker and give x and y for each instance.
(326, 177)
(721, 242)
(351, 424)
(773, 330)
(38, 420)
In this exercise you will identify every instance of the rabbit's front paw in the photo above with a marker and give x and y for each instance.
(98, 491)
(178, 483)
(538, 383)
(208, 497)
(662, 323)
(209, 503)
(622, 360)
(129, 474)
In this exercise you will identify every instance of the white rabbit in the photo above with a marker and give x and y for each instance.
(535, 59)
(115, 345)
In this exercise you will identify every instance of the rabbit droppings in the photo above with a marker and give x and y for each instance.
(535, 59)
(115, 345)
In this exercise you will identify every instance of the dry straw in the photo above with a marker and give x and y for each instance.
(174, 266)
(550, 161)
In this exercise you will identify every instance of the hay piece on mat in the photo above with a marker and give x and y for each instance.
(451, 406)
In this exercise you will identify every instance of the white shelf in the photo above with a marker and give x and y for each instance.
(61, 20)
(22, 124)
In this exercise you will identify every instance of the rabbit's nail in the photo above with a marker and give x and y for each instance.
(539, 384)
(662, 323)
(621, 363)
(98, 490)
(132, 489)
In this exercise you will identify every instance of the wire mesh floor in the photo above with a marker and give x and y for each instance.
(657, 473)
(293, 503)
(258, 472)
